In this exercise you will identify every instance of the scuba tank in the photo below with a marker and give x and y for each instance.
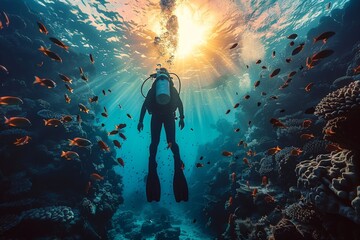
(162, 86)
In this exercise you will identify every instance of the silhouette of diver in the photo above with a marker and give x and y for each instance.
(164, 114)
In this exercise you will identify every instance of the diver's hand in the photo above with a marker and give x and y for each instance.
(140, 126)
(181, 124)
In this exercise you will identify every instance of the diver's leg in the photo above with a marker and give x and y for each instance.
(169, 125)
(153, 190)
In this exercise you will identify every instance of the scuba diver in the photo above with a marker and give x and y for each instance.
(161, 102)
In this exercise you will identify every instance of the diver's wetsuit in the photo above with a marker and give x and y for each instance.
(164, 115)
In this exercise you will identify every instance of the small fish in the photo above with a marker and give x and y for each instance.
(274, 97)
(59, 43)
(306, 123)
(103, 146)
(227, 153)
(307, 136)
(257, 83)
(42, 28)
(357, 70)
(65, 78)
(50, 54)
(22, 141)
(273, 54)
(236, 105)
(96, 176)
(290, 75)
(237, 130)
(109, 90)
(263, 93)
(69, 155)
(275, 72)
(246, 161)
(129, 116)
(121, 126)
(331, 147)
(249, 123)
(264, 181)
(120, 106)
(285, 85)
(93, 99)
(70, 89)
(234, 46)
(328, 6)
(301, 67)
(329, 132)
(298, 49)
(7, 20)
(91, 58)
(78, 119)
(246, 97)
(292, 43)
(4, 69)
(122, 136)
(247, 66)
(233, 177)
(194, 221)
(322, 54)
(81, 71)
(80, 142)
(269, 199)
(104, 114)
(249, 153)
(308, 87)
(105, 110)
(121, 161)
(288, 60)
(292, 36)
(103, 91)
(264, 67)
(282, 110)
(17, 122)
(259, 104)
(103, 125)
(324, 36)
(113, 132)
(277, 123)
(230, 200)
(254, 192)
(66, 119)
(201, 158)
(117, 143)
(296, 152)
(83, 108)
(228, 111)
(240, 143)
(44, 82)
(273, 150)
(83, 77)
(199, 165)
(10, 100)
(52, 122)
(258, 61)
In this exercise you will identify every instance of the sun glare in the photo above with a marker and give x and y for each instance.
(194, 29)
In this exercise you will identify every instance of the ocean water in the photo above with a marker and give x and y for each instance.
(226, 54)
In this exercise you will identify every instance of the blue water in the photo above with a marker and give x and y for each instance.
(120, 35)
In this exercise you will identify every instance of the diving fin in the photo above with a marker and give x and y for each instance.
(180, 186)
(153, 190)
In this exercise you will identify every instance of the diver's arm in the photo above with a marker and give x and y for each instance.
(141, 119)
(181, 111)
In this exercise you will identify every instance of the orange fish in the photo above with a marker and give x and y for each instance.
(291, 74)
(52, 122)
(269, 199)
(324, 36)
(275, 72)
(307, 136)
(113, 132)
(59, 43)
(83, 108)
(246, 161)
(308, 87)
(296, 152)
(333, 147)
(329, 132)
(254, 192)
(42, 28)
(233, 177)
(249, 152)
(69, 88)
(264, 181)
(65, 78)
(44, 82)
(306, 123)
(9, 100)
(274, 150)
(103, 146)
(298, 49)
(120, 126)
(96, 176)
(230, 200)
(227, 153)
(117, 143)
(93, 99)
(66, 118)
(67, 98)
(277, 123)
(50, 54)
(236, 105)
(17, 122)
(22, 141)
(121, 162)
(80, 142)
(69, 155)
